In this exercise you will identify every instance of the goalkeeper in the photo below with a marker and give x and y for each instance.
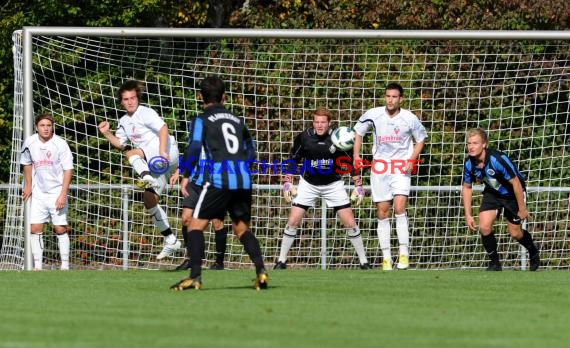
(148, 133)
(322, 179)
(395, 130)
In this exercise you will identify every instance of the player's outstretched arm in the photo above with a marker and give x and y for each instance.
(105, 129)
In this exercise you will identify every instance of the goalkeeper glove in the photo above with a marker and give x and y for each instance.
(289, 190)
(358, 192)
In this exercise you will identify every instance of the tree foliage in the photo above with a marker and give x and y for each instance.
(271, 14)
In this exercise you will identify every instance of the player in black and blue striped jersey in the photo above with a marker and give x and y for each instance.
(504, 192)
(222, 184)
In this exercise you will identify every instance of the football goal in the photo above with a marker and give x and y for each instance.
(513, 84)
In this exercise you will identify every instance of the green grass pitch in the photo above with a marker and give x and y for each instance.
(301, 308)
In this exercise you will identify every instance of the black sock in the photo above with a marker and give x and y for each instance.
(197, 246)
(251, 246)
(186, 241)
(527, 242)
(185, 235)
(166, 232)
(490, 245)
(221, 241)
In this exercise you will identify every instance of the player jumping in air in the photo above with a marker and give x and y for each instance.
(148, 133)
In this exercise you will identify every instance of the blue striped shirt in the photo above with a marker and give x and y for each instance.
(219, 149)
(495, 174)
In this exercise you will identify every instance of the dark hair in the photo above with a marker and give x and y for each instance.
(44, 116)
(394, 85)
(131, 85)
(212, 89)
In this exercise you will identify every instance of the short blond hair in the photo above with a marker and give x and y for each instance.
(477, 131)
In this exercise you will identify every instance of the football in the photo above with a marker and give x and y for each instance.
(343, 138)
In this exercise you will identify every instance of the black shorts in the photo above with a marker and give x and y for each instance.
(209, 202)
(509, 206)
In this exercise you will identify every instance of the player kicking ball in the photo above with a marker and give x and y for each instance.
(148, 134)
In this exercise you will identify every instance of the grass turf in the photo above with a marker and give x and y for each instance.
(302, 308)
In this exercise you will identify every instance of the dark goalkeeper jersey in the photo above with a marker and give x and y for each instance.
(220, 150)
(318, 161)
(495, 174)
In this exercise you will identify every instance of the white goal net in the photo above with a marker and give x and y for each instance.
(517, 89)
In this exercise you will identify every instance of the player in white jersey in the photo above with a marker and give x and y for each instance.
(148, 134)
(395, 157)
(48, 169)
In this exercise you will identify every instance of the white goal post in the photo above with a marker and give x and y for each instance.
(514, 84)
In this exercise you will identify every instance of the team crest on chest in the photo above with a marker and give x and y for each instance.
(490, 172)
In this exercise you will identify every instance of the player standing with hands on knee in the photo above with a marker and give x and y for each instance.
(48, 169)
(505, 191)
(395, 130)
(148, 133)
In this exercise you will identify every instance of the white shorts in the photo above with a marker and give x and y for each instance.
(385, 186)
(42, 208)
(334, 194)
(163, 178)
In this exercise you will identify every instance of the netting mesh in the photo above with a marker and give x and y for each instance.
(516, 90)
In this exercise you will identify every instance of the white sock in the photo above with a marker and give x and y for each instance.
(63, 243)
(356, 240)
(159, 218)
(403, 233)
(384, 238)
(37, 244)
(286, 243)
(170, 239)
(138, 164)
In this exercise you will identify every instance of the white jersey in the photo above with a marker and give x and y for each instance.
(141, 129)
(393, 136)
(49, 160)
